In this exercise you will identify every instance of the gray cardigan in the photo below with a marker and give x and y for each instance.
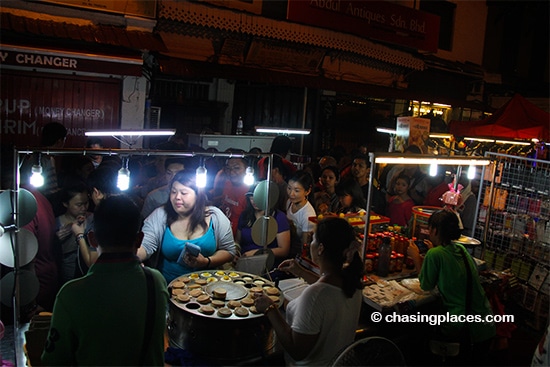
(155, 225)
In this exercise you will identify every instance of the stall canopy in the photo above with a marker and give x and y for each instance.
(517, 119)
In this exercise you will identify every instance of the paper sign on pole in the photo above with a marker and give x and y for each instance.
(412, 131)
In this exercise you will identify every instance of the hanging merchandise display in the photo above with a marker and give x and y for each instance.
(514, 222)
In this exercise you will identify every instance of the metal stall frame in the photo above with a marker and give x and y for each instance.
(106, 152)
(401, 158)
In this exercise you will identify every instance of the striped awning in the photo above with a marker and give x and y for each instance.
(79, 31)
(225, 20)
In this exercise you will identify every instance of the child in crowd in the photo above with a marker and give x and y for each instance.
(75, 200)
(399, 208)
(326, 200)
(350, 196)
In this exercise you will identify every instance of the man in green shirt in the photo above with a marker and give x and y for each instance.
(116, 314)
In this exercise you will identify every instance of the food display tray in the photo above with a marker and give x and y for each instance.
(198, 289)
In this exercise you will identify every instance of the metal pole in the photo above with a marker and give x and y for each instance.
(304, 115)
(138, 152)
(267, 206)
(369, 201)
(17, 345)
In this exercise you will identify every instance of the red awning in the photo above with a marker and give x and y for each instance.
(517, 119)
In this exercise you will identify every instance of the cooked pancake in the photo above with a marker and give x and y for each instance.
(217, 303)
(185, 279)
(207, 310)
(271, 291)
(247, 301)
(178, 284)
(195, 286)
(233, 304)
(183, 298)
(224, 312)
(241, 311)
(177, 291)
(203, 298)
(274, 299)
(195, 292)
(254, 310)
(219, 293)
(200, 282)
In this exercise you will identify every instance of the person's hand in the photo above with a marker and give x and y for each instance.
(249, 253)
(262, 303)
(429, 244)
(289, 266)
(65, 231)
(413, 251)
(235, 259)
(195, 261)
(78, 227)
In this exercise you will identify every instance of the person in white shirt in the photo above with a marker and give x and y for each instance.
(323, 319)
(299, 209)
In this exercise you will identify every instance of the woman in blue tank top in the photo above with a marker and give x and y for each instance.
(185, 219)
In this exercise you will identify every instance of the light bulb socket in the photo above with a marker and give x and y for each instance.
(249, 176)
(471, 172)
(433, 170)
(36, 169)
(201, 177)
(36, 179)
(123, 181)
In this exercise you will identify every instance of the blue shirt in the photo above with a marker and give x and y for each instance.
(172, 247)
(247, 243)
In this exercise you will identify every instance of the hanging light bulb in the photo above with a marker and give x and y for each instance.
(471, 172)
(433, 169)
(37, 180)
(201, 176)
(249, 176)
(123, 181)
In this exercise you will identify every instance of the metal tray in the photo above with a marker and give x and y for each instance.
(237, 284)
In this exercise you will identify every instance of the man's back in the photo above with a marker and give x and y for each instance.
(100, 319)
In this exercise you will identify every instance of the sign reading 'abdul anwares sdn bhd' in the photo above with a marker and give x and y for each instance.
(379, 20)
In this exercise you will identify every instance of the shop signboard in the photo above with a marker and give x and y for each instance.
(380, 20)
(67, 61)
(412, 131)
(28, 101)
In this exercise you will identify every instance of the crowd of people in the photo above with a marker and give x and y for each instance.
(185, 228)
